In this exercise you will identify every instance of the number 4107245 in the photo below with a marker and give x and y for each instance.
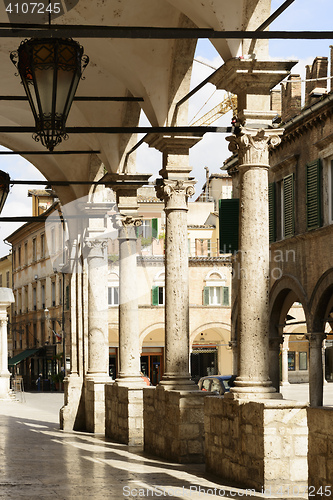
(33, 8)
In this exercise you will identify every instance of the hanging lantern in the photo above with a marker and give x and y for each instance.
(50, 70)
(4, 188)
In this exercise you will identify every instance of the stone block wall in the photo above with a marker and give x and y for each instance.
(95, 406)
(320, 457)
(260, 445)
(174, 424)
(124, 414)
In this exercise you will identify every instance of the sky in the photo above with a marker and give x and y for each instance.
(212, 150)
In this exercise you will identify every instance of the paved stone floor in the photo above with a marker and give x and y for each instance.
(39, 461)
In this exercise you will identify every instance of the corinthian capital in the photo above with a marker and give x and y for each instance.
(253, 145)
(175, 193)
(96, 247)
(120, 221)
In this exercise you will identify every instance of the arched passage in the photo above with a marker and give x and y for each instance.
(288, 308)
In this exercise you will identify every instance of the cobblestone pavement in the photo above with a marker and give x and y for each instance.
(39, 461)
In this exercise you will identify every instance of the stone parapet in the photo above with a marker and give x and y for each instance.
(320, 457)
(174, 424)
(261, 445)
(124, 414)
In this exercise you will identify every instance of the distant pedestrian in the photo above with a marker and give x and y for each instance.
(39, 382)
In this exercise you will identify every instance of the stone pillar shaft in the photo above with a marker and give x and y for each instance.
(285, 371)
(6, 298)
(252, 146)
(129, 344)
(177, 371)
(316, 369)
(98, 355)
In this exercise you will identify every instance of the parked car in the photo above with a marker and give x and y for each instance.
(218, 384)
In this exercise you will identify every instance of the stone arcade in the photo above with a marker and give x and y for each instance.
(158, 72)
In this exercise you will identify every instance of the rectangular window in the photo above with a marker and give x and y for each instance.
(42, 245)
(43, 296)
(216, 296)
(27, 336)
(53, 293)
(313, 195)
(34, 250)
(19, 256)
(7, 279)
(291, 361)
(42, 332)
(113, 295)
(0, 280)
(158, 295)
(303, 360)
(34, 299)
(26, 253)
(330, 191)
(288, 206)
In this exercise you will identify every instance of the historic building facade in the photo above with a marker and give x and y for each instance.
(301, 228)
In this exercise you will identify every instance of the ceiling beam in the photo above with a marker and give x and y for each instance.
(56, 153)
(79, 98)
(125, 130)
(10, 30)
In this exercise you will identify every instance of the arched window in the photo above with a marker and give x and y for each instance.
(113, 290)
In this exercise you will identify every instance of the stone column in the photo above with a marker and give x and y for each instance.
(252, 146)
(175, 194)
(252, 81)
(285, 370)
(129, 344)
(175, 188)
(98, 355)
(6, 298)
(316, 368)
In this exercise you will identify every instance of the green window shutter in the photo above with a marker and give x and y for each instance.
(272, 212)
(154, 295)
(313, 195)
(206, 296)
(229, 223)
(154, 226)
(288, 206)
(225, 298)
(67, 297)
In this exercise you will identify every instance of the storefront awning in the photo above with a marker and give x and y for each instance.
(20, 357)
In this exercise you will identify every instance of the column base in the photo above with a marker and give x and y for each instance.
(284, 383)
(177, 383)
(261, 445)
(253, 390)
(174, 424)
(132, 382)
(72, 416)
(124, 414)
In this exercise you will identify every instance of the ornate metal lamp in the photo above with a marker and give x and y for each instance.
(50, 70)
(4, 188)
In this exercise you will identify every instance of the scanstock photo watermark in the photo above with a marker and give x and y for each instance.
(197, 492)
(277, 261)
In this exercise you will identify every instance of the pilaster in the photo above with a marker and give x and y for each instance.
(6, 298)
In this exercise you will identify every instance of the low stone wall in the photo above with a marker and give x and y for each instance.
(124, 414)
(320, 457)
(95, 406)
(260, 445)
(174, 424)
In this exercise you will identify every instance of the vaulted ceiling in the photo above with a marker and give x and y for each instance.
(159, 71)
